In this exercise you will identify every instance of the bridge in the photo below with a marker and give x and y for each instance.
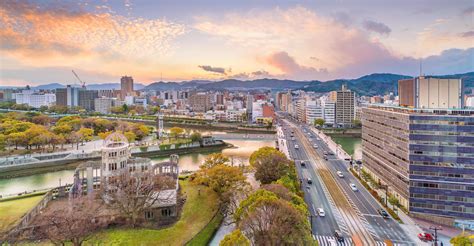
(245, 136)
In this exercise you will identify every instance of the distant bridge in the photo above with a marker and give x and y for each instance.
(243, 136)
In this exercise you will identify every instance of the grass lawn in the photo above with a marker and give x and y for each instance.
(197, 212)
(12, 210)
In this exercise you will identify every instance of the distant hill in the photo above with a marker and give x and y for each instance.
(372, 84)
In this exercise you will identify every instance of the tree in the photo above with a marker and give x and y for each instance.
(74, 223)
(85, 134)
(236, 238)
(73, 121)
(136, 192)
(357, 123)
(270, 164)
(319, 122)
(222, 179)
(130, 136)
(103, 135)
(196, 137)
(461, 240)
(393, 200)
(41, 120)
(176, 132)
(16, 138)
(275, 222)
(213, 160)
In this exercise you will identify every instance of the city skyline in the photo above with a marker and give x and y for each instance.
(301, 40)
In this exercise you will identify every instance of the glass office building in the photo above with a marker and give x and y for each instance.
(425, 156)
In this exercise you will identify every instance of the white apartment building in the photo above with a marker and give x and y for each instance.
(329, 112)
(35, 99)
(104, 105)
(314, 110)
(257, 110)
(235, 115)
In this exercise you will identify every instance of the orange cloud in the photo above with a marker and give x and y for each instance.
(61, 34)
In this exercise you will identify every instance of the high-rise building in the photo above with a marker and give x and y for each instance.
(86, 99)
(345, 107)
(430, 92)
(300, 107)
(200, 102)
(332, 96)
(126, 86)
(220, 99)
(423, 155)
(68, 96)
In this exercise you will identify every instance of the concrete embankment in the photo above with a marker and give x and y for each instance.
(63, 164)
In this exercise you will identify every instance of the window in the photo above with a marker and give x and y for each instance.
(149, 215)
(166, 212)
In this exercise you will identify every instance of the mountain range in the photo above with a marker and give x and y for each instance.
(373, 84)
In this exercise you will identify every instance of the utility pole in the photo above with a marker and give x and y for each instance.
(435, 229)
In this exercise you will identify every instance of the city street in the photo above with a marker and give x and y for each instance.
(350, 212)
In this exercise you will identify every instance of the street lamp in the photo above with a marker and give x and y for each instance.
(435, 229)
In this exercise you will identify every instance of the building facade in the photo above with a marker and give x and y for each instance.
(200, 102)
(35, 99)
(126, 86)
(345, 107)
(86, 99)
(425, 156)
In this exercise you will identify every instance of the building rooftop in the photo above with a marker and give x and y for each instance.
(437, 111)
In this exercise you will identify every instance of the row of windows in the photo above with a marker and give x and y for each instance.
(443, 122)
(436, 153)
(441, 164)
(443, 197)
(441, 133)
(441, 186)
(459, 209)
(442, 174)
(441, 143)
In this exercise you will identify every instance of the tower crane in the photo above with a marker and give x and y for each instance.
(82, 82)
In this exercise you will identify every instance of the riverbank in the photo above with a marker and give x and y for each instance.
(59, 165)
(352, 132)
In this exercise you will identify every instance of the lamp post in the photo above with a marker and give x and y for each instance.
(435, 229)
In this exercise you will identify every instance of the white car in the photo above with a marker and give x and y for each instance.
(353, 187)
(321, 212)
(315, 146)
(296, 146)
(339, 174)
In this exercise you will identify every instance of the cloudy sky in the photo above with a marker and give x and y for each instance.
(42, 41)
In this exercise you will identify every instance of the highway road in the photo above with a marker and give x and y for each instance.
(352, 213)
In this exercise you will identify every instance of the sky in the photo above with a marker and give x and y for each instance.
(172, 40)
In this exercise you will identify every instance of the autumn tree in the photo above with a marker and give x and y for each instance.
(41, 119)
(270, 164)
(236, 238)
(133, 193)
(71, 223)
(213, 160)
(85, 134)
(176, 132)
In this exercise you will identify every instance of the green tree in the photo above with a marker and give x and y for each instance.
(17, 138)
(196, 137)
(125, 108)
(357, 123)
(393, 200)
(461, 240)
(270, 164)
(213, 160)
(236, 238)
(130, 136)
(319, 122)
(222, 179)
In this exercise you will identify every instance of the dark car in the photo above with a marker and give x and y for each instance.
(338, 236)
(303, 164)
(309, 181)
(384, 214)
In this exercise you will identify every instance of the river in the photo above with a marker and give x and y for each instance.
(352, 145)
(189, 162)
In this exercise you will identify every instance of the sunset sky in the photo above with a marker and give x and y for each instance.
(41, 41)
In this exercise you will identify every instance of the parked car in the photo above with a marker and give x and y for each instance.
(339, 174)
(384, 214)
(353, 187)
(321, 212)
(338, 236)
(309, 181)
(296, 146)
(315, 146)
(303, 164)
(425, 237)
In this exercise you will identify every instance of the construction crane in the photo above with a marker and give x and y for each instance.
(82, 82)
